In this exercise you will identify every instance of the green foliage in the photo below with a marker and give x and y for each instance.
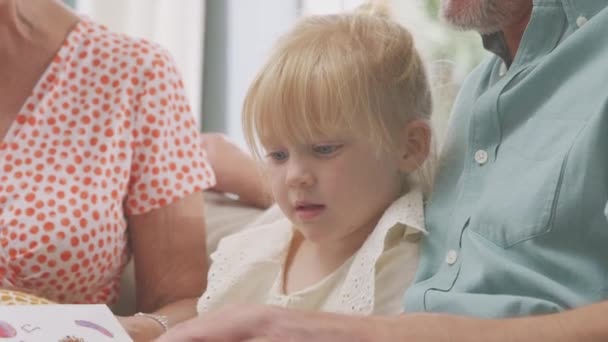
(462, 48)
(71, 3)
(452, 54)
(432, 7)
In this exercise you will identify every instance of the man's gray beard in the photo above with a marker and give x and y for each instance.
(488, 17)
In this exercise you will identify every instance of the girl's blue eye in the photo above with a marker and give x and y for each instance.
(278, 156)
(326, 149)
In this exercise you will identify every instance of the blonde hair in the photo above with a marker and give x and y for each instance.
(358, 71)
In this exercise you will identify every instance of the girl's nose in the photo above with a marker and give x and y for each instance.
(298, 174)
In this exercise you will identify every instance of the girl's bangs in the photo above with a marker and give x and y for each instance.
(296, 103)
(316, 85)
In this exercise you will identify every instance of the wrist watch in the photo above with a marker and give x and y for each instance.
(162, 320)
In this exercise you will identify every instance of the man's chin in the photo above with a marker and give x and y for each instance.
(467, 24)
(460, 16)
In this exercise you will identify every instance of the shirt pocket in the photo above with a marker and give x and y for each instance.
(522, 188)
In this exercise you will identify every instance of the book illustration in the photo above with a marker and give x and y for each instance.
(88, 324)
(28, 328)
(7, 330)
(72, 339)
(60, 323)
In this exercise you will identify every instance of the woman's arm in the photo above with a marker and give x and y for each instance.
(236, 172)
(170, 264)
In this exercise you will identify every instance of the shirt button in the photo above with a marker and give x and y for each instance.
(451, 257)
(481, 157)
(503, 70)
(580, 21)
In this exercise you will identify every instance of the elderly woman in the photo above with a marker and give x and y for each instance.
(100, 159)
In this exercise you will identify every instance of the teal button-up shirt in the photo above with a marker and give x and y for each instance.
(517, 221)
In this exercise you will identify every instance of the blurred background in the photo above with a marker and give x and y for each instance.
(219, 45)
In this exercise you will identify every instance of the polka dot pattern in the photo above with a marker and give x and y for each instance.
(106, 133)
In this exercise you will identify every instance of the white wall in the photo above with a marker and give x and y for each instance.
(253, 27)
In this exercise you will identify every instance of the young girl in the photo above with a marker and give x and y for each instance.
(339, 115)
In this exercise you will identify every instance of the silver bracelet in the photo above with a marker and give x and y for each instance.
(160, 319)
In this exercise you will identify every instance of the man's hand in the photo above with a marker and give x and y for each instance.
(272, 324)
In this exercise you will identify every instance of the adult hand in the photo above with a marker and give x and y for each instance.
(272, 324)
(236, 171)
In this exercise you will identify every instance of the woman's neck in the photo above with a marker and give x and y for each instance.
(32, 24)
(31, 33)
(19, 25)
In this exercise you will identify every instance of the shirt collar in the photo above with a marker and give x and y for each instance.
(575, 9)
(402, 218)
(407, 210)
(548, 33)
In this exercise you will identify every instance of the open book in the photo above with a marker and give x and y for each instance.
(60, 323)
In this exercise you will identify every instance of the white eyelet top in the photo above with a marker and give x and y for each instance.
(247, 267)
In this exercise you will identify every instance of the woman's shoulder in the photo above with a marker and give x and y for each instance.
(112, 47)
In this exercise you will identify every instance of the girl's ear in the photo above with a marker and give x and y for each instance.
(414, 145)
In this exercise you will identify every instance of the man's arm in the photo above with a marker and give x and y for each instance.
(264, 323)
(584, 324)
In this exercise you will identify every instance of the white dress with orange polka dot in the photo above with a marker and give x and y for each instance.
(107, 132)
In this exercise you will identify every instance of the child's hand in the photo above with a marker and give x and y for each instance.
(140, 329)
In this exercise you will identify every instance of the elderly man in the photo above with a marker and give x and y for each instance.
(518, 249)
